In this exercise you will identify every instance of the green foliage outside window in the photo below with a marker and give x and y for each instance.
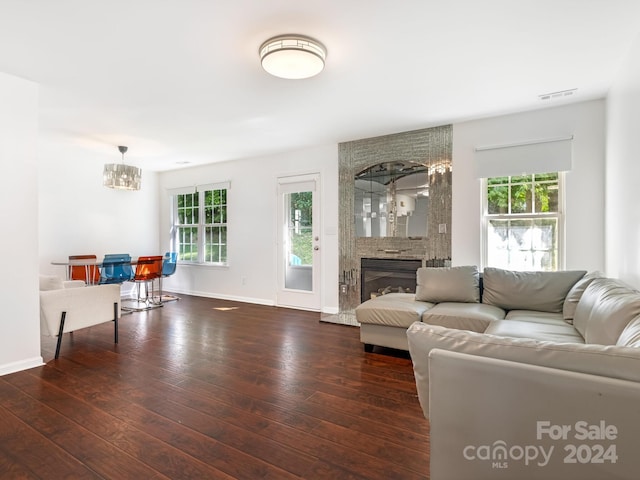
(202, 239)
(523, 194)
(301, 204)
(523, 221)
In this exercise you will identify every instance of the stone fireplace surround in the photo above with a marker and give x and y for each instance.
(432, 147)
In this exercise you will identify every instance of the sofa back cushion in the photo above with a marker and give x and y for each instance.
(575, 294)
(451, 284)
(607, 306)
(540, 291)
(630, 336)
(50, 282)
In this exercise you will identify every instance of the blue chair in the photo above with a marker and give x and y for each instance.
(169, 264)
(116, 268)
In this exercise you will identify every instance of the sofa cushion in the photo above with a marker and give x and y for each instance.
(451, 284)
(605, 309)
(540, 291)
(50, 282)
(575, 294)
(544, 332)
(537, 317)
(630, 336)
(609, 361)
(464, 316)
(392, 309)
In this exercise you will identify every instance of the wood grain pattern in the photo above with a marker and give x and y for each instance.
(196, 392)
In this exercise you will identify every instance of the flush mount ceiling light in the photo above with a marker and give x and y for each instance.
(292, 56)
(121, 176)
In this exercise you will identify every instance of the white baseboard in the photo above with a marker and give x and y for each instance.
(235, 298)
(20, 365)
(330, 310)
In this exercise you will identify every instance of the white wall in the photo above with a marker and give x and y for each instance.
(78, 215)
(584, 186)
(252, 225)
(623, 172)
(20, 320)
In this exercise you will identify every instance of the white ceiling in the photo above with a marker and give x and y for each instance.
(180, 80)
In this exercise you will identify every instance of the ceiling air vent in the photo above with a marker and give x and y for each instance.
(557, 95)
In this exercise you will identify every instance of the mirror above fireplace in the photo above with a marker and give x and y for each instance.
(391, 199)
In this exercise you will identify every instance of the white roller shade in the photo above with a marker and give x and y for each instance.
(540, 156)
(215, 186)
(199, 188)
(181, 190)
(308, 186)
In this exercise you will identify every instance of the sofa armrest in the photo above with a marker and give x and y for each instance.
(84, 307)
(73, 283)
(497, 419)
(609, 361)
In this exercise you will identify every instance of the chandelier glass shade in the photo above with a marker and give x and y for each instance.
(120, 176)
(292, 56)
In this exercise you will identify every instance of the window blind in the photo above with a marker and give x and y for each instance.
(309, 186)
(539, 156)
(199, 188)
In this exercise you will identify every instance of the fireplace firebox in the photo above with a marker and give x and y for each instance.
(379, 276)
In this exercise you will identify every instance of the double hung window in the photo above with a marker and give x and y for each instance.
(523, 213)
(523, 221)
(199, 232)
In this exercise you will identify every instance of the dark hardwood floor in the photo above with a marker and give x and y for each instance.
(209, 389)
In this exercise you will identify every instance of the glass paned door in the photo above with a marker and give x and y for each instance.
(299, 242)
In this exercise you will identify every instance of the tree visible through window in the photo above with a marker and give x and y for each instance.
(301, 228)
(523, 221)
(215, 221)
(200, 226)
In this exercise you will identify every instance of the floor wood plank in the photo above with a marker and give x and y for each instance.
(206, 388)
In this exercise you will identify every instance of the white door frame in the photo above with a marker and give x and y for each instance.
(289, 297)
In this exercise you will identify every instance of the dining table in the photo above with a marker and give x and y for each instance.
(87, 263)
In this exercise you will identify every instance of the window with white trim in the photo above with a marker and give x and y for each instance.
(199, 232)
(523, 221)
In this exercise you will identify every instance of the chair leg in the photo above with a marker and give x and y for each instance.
(60, 330)
(162, 299)
(115, 322)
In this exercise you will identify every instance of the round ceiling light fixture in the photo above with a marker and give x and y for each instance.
(293, 56)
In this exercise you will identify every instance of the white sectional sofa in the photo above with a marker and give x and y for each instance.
(453, 297)
(545, 384)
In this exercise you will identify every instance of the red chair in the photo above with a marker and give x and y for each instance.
(84, 270)
(148, 269)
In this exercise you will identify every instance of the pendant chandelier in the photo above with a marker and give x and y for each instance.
(121, 176)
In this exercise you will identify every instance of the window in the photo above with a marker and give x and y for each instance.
(300, 232)
(200, 224)
(523, 222)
